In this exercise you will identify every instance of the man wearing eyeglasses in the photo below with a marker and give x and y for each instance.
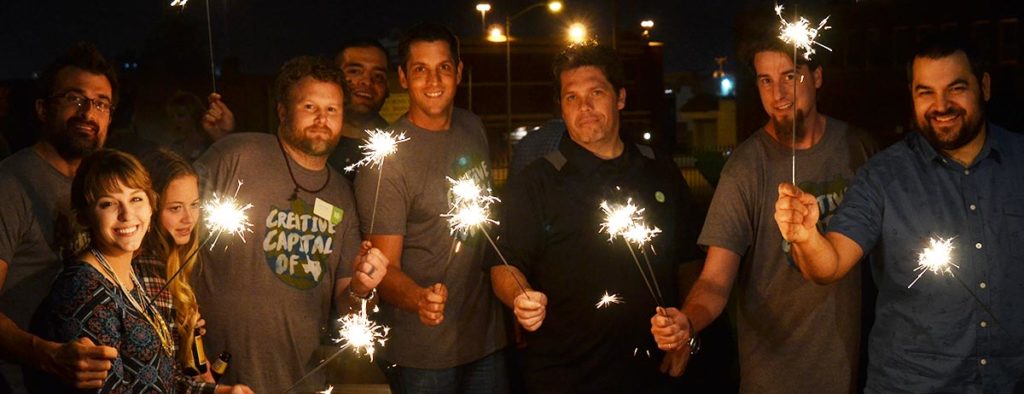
(77, 97)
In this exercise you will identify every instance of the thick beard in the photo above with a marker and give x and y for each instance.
(309, 146)
(970, 129)
(784, 128)
(69, 145)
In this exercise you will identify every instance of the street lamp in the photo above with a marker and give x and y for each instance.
(577, 33)
(483, 8)
(647, 25)
(553, 7)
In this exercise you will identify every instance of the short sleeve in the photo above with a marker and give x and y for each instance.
(729, 221)
(14, 217)
(391, 202)
(859, 217)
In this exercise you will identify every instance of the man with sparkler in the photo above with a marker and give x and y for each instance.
(78, 93)
(957, 177)
(446, 328)
(270, 299)
(365, 64)
(780, 317)
(561, 264)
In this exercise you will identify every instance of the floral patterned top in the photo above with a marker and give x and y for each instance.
(83, 303)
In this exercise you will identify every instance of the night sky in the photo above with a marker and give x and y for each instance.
(262, 34)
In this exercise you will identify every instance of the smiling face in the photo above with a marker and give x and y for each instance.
(948, 100)
(366, 71)
(120, 219)
(74, 130)
(775, 78)
(590, 107)
(431, 75)
(179, 208)
(311, 118)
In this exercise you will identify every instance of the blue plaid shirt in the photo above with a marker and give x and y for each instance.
(957, 332)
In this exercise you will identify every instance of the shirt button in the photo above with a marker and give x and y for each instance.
(982, 285)
(977, 245)
(973, 207)
(983, 361)
(967, 172)
(983, 324)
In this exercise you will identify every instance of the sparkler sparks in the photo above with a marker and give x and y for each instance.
(225, 214)
(937, 257)
(800, 34)
(360, 333)
(470, 207)
(379, 145)
(627, 220)
(177, 3)
(608, 299)
(329, 390)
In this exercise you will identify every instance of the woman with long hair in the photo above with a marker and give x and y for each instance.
(175, 238)
(97, 295)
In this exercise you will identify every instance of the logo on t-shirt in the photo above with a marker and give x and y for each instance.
(298, 244)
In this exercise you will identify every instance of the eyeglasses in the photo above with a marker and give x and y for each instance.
(83, 103)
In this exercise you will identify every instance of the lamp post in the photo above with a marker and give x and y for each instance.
(647, 25)
(554, 7)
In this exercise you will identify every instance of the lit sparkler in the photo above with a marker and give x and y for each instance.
(180, 3)
(800, 34)
(226, 214)
(357, 332)
(330, 389)
(379, 145)
(608, 299)
(937, 257)
(627, 221)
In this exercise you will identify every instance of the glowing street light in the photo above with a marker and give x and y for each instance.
(495, 34)
(555, 6)
(577, 33)
(483, 8)
(647, 25)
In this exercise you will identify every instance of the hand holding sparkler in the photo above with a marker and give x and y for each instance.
(796, 213)
(530, 308)
(218, 120)
(370, 268)
(671, 329)
(430, 304)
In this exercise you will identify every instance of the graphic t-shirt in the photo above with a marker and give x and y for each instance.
(413, 194)
(268, 299)
(787, 325)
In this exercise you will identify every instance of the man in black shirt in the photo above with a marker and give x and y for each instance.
(551, 237)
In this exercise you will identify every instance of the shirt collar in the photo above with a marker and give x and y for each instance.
(584, 160)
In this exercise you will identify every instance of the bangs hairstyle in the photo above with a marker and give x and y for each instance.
(593, 55)
(315, 67)
(166, 166)
(101, 173)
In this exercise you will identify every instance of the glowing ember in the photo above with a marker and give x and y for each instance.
(608, 299)
(937, 257)
(379, 145)
(359, 332)
(470, 207)
(626, 220)
(176, 3)
(329, 390)
(800, 34)
(226, 215)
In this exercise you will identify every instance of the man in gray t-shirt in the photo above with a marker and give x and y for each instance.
(37, 228)
(445, 325)
(268, 299)
(784, 323)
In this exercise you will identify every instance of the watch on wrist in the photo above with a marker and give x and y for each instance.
(356, 297)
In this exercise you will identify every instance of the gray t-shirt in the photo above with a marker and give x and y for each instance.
(786, 324)
(413, 195)
(268, 300)
(35, 223)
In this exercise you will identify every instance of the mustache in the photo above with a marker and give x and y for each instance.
(947, 112)
(73, 122)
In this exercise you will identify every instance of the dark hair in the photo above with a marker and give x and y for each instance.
(84, 56)
(594, 55)
(100, 173)
(770, 42)
(947, 43)
(427, 32)
(316, 67)
(363, 42)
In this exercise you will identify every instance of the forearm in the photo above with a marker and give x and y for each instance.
(705, 303)
(21, 347)
(504, 282)
(400, 290)
(817, 259)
